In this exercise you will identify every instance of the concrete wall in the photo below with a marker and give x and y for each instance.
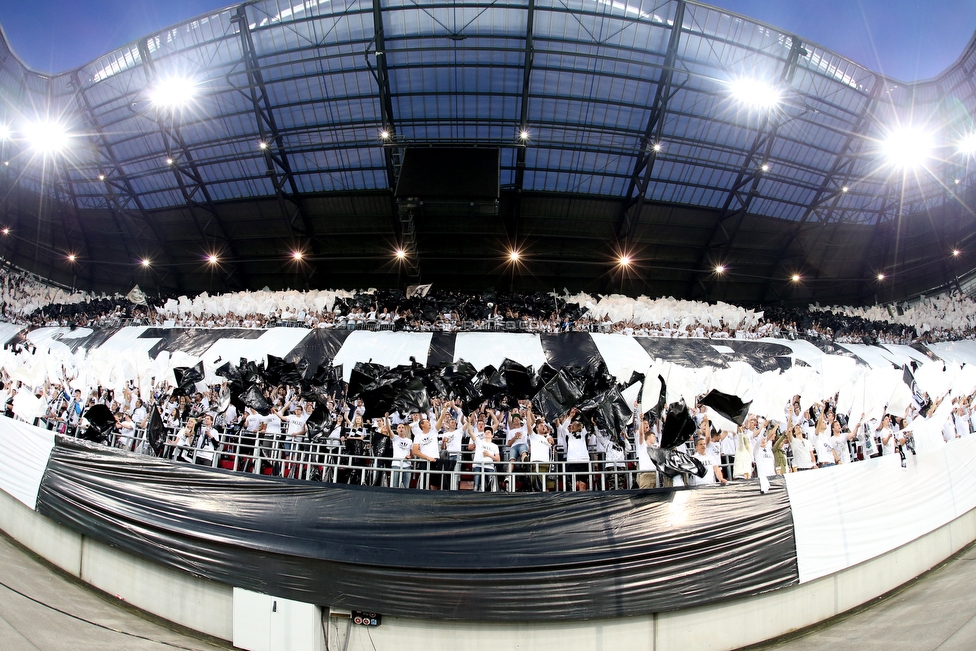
(200, 604)
(208, 607)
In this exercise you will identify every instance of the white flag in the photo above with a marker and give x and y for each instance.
(418, 290)
(137, 296)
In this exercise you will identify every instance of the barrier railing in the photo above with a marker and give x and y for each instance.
(330, 461)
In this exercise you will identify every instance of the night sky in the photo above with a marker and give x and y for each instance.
(906, 39)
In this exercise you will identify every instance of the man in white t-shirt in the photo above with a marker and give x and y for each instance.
(540, 453)
(485, 457)
(425, 448)
(713, 466)
(402, 449)
(451, 433)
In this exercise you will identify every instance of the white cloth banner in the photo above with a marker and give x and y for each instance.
(386, 348)
(850, 513)
(484, 348)
(24, 452)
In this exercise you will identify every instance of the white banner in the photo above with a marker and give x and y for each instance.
(24, 452)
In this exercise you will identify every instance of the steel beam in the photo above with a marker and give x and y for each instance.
(196, 195)
(649, 144)
(745, 188)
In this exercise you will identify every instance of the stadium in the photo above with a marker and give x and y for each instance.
(658, 223)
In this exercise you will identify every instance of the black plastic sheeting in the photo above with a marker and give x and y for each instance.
(431, 554)
(318, 347)
(684, 352)
(571, 349)
(441, 349)
(194, 341)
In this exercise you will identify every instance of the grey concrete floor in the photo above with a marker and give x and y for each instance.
(27, 625)
(936, 612)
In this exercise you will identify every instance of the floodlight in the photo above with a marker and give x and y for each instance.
(624, 260)
(881, 276)
(907, 147)
(796, 278)
(955, 253)
(173, 92)
(845, 189)
(657, 147)
(719, 269)
(46, 137)
(101, 177)
(262, 145)
(212, 259)
(297, 255)
(384, 134)
(523, 135)
(72, 257)
(968, 144)
(6, 231)
(401, 254)
(764, 167)
(145, 262)
(755, 93)
(169, 161)
(513, 256)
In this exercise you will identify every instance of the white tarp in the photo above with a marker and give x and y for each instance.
(484, 348)
(24, 451)
(623, 355)
(386, 348)
(848, 514)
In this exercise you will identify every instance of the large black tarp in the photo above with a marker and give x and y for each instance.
(194, 341)
(694, 353)
(318, 347)
(571, 349)
(431, 554)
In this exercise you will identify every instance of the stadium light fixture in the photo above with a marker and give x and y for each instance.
(72, 257)
(384, 134)
(213, 259)
(881, 276)
(6, 231)
(146, 262)
(401, 254)
(296, 255)
(262, 145)
(720, 268)
(755, 93)
(173, 92)
(764, 167)
(514, 255)
(523, 135)
(955, 253)
(46, 137)
(169, 161)
(968, 144)
(657, 147)
(845, 189)
(908, 147)
(624, 260)
(796, 278)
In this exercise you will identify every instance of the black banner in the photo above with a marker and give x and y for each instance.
(431, 554)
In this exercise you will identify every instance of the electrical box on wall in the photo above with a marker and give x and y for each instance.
(266, 623)
(362, 618)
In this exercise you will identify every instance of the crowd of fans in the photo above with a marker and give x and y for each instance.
(28, 300)
(489, 446)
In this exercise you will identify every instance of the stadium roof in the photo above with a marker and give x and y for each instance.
(684, 137)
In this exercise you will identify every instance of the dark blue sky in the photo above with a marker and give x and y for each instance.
(907, 39)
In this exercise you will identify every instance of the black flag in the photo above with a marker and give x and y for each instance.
(155, 433)
(727, 405)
